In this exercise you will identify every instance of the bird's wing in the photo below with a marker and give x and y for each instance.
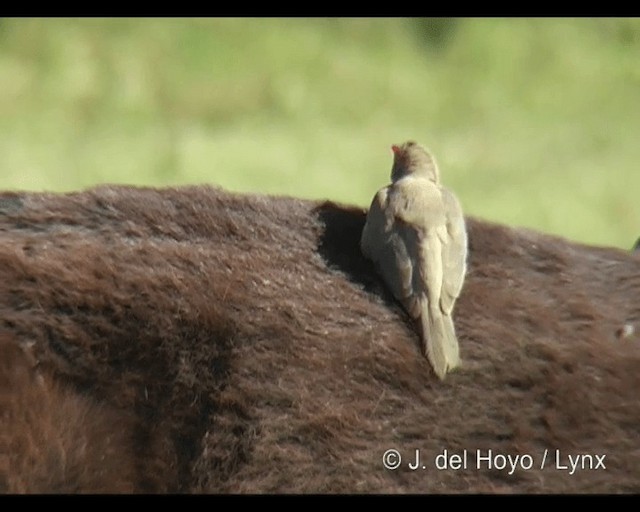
(404, 269)
(374, 228)
(454, 251)
(387, 243)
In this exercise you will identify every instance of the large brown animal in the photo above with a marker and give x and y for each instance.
(192, 340)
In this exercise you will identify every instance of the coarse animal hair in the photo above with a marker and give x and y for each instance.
(194, 340)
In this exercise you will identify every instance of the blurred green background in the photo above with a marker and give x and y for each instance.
(535, 122)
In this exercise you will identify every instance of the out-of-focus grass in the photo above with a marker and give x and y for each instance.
(534, 122)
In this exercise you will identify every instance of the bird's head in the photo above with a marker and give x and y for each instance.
(411, 158)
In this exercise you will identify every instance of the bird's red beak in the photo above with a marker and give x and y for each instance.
(395, 149)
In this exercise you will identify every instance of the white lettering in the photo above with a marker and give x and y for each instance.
(580, 462)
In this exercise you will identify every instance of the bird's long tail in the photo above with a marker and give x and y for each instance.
(438, 334)
(439, 341)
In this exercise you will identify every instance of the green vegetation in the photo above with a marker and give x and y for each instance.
(534, 122)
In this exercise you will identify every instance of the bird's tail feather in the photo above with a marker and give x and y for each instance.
(453, 348)
(439, 341)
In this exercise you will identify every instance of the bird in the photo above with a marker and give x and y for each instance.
(636, 247)
(416, 236)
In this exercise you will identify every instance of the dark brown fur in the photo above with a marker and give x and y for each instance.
(193, 340)
(56, 440)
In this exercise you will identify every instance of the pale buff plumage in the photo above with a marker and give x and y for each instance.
(416, 235)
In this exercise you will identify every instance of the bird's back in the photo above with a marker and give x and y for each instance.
(417, 201)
